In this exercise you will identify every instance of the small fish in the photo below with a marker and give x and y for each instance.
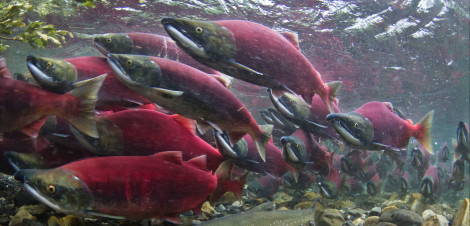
(253, 53)
(146, 44)
(331, 185)
(60, 76)
(374, 126)
(463, 146)
(311, 118)
(302, 151)
(244, 155)
(259, 216)
(119, 186)
(420, 160)
(351, 186)
(443, 154)
(191, 93)
(457, 178)
(373, 186)
(264, 187)
(25, 107)
(430, 185)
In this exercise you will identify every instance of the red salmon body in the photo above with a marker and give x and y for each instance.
(268, 52)
(390, 129)
(113, 92)
(146, 132)
(141, 187)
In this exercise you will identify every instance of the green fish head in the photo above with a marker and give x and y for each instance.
(290, 105)
(348, 166)
(427, 185)
(328, 189)
(404, 185)
(113, 43)
(135, 70)
(52, 74)
(25, 160)
(293, 149)
(58, 188)
(236, 153)
(372, 188)
(353, 128)
(201, 39)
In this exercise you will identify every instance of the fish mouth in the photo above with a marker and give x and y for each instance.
(426, 186)
(371, 189)
(324, 191)
(343, 129)
(11, 157)
(44, 79)
(180, 35)
(265, 114)
(100, 47)
(223, 145)
(279, 105)
(119, 71)
(34, 192)
(287, 151)
(462, 134)
(403, 184)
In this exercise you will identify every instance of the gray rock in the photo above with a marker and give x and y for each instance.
(371, 221)
(401, 217)
(436, 220)
(357, 212)
(376, 211)
(330, 217)
(385, 224)
(427, 213)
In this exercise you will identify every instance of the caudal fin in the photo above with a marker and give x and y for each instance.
(87, 92)
(423, 134)
(263, 139)
(333, 88)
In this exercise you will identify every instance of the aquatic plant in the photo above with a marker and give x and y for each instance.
(38, 34)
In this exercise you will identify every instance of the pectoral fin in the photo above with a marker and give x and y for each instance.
(244, 68)
(167, 93)
(97, 214)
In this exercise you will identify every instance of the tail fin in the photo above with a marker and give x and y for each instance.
(263, 139)
(87, 92)
(423, 134)
(333, 88)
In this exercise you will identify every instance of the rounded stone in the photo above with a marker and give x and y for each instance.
(427, 213)
(371, 221)
(401, 217)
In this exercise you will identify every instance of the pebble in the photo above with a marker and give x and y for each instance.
(22, 217)
(427, 213)
(388, 208)
(435, 220)
(371, 221)
(385, 224)
(68, 220)
(401, 217)
(330, 217)
(207, 210)
(376, 211)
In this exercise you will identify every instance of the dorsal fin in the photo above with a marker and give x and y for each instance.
(292, 38)
(170, 156)
(187, 123)
(224, 79)
(199, 162)
(388, 105)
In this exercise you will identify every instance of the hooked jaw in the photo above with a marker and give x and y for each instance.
(346, 125)
(180, 35)
(427, 187)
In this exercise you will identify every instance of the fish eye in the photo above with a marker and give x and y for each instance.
(199, 30)
(356, 125)
(50, 64)
(129, 63)
(51, 189)
(109, 40)
(297, 146)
